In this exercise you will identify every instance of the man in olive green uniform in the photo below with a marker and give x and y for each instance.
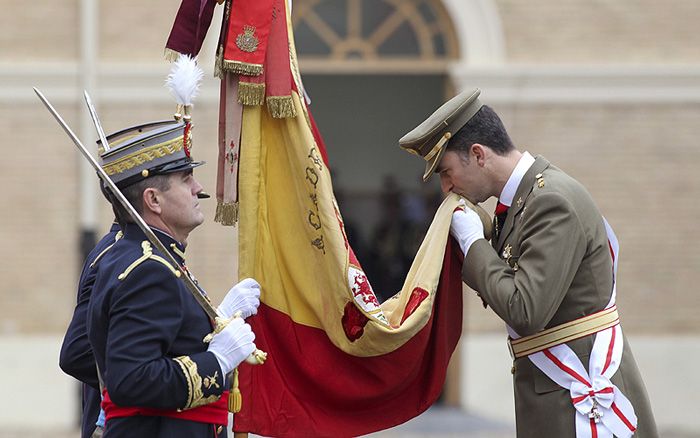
(549, 273)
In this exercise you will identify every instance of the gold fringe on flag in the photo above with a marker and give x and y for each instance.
(226, 213)
(281, 107)
(219, 63)
(170, 55)
(242, 68)
(219, 60)
(250, 93)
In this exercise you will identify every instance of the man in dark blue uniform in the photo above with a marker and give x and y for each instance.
(76, 358)
(145, 328)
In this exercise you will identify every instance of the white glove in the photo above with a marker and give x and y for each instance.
(466, 227)
(232, 345)
(243, 297)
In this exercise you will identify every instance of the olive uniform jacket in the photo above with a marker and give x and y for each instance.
(551, 265)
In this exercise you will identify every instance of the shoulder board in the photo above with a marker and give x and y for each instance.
(148, 255)
(104, 251)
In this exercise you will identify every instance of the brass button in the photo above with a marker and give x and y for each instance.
(512, 369)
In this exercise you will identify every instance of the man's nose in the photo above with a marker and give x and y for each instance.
(196, 187)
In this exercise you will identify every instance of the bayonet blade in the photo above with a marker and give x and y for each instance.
(96, 121)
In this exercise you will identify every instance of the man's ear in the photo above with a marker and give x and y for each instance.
(479, 152)
(151, 200)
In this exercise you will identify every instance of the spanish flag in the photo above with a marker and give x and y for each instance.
(339, 362)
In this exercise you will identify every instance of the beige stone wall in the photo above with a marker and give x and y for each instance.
(39, 219)
(127, 36)
(42, 31)
(640, 165)
(49, 30)
(601, 31)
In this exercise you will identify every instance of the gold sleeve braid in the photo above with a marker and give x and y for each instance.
(195, 395)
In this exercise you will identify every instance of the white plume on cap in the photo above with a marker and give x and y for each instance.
(184, 79)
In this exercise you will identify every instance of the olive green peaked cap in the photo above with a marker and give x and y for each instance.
(429, 139)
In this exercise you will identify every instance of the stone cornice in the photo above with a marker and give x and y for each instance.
(582, 83)
(504, 84)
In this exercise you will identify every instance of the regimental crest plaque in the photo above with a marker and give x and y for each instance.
(247, 41)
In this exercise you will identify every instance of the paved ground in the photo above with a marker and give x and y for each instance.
(435, 423)
(448, 423)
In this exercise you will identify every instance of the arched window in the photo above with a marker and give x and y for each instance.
(372, 35)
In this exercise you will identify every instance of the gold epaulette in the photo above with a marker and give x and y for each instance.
(148, 254)
(118, 236)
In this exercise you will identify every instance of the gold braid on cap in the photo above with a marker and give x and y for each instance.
(445, 138)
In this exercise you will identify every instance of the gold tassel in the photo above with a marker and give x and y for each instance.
(251, 93)
(170, 55)
(226, 213)
(242, 68)
(281, 107)
(235, 399)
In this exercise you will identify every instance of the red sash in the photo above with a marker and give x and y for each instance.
(213, 413)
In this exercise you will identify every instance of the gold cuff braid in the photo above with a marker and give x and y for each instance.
(195, 395)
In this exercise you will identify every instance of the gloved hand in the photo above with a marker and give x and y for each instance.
(466, 227)
(243, 297)
(232, 345)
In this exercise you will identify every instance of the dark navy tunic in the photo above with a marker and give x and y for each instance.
(146, 331)
(76, 358)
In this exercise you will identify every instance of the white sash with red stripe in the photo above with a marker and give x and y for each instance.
(601, 408)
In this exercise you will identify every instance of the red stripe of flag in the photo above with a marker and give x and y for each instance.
(310, 388)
